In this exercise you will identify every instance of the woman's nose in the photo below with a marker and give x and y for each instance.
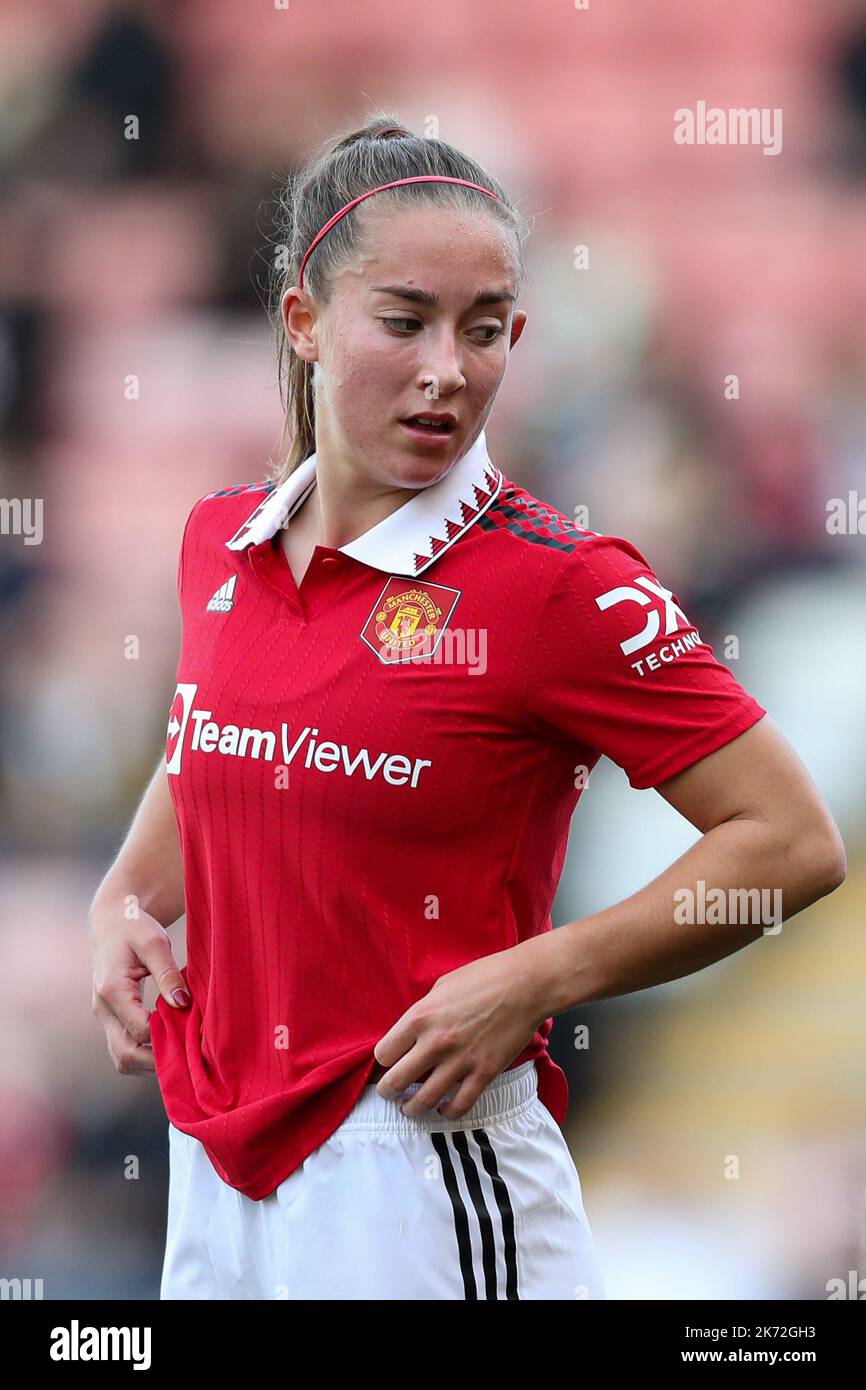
(442, 370)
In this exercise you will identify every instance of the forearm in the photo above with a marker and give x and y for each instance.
(130, 887)
(662, 933)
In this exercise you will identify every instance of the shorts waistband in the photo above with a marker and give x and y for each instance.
(507, 1094)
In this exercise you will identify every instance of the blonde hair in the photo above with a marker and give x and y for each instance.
(380, 152)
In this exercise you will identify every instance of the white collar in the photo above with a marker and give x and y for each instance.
(409, 539)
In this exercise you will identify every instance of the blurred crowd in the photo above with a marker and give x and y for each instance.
(698, 387)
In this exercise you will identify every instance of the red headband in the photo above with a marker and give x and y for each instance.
(419, 178)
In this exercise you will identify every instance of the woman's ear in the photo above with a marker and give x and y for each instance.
(297, 309)
(517, 323)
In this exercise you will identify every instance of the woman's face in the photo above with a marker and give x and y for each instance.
(383, 356)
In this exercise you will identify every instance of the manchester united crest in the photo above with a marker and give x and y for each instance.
(408, 619)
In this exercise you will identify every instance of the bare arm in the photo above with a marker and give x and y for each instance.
(140, 896)
(149, 862)
(764, 826)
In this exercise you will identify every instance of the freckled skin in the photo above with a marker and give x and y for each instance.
(371, 375)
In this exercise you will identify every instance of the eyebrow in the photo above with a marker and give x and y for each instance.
(431, 300)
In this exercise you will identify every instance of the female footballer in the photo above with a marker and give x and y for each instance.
(398, 669)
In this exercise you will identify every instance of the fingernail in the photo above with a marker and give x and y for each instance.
(181, 997)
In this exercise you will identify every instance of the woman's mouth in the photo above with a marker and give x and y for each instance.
(432, 429)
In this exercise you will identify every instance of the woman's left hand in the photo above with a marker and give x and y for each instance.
(468, 1028)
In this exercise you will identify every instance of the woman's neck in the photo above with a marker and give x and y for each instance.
(341, 507)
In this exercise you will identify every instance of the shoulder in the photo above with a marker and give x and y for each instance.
(577, 581)
(546, 538)
(262, 487)
(214, 518)
(233, 495)
(232, 503)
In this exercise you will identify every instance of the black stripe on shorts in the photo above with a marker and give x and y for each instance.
(486, 1224)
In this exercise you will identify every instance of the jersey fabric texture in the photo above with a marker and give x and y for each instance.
(485, 1207)
(374, 776)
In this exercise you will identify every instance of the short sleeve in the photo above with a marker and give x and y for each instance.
(180, 554)
(616, 666)
(180, 569)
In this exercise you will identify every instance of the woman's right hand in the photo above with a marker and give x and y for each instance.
(126, 948)
(124, 951)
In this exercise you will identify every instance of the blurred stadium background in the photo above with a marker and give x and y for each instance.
(139, 257)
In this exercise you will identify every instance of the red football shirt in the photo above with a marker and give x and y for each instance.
(374, 776)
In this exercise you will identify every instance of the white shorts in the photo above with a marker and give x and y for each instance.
(485, 1206)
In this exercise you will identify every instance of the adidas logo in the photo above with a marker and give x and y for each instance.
(223, 600)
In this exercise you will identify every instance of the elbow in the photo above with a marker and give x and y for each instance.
(830, 861)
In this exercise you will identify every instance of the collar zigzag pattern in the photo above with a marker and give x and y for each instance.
(468, 514)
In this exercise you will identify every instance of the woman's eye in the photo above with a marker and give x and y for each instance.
(493, 329)
(413, 323)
